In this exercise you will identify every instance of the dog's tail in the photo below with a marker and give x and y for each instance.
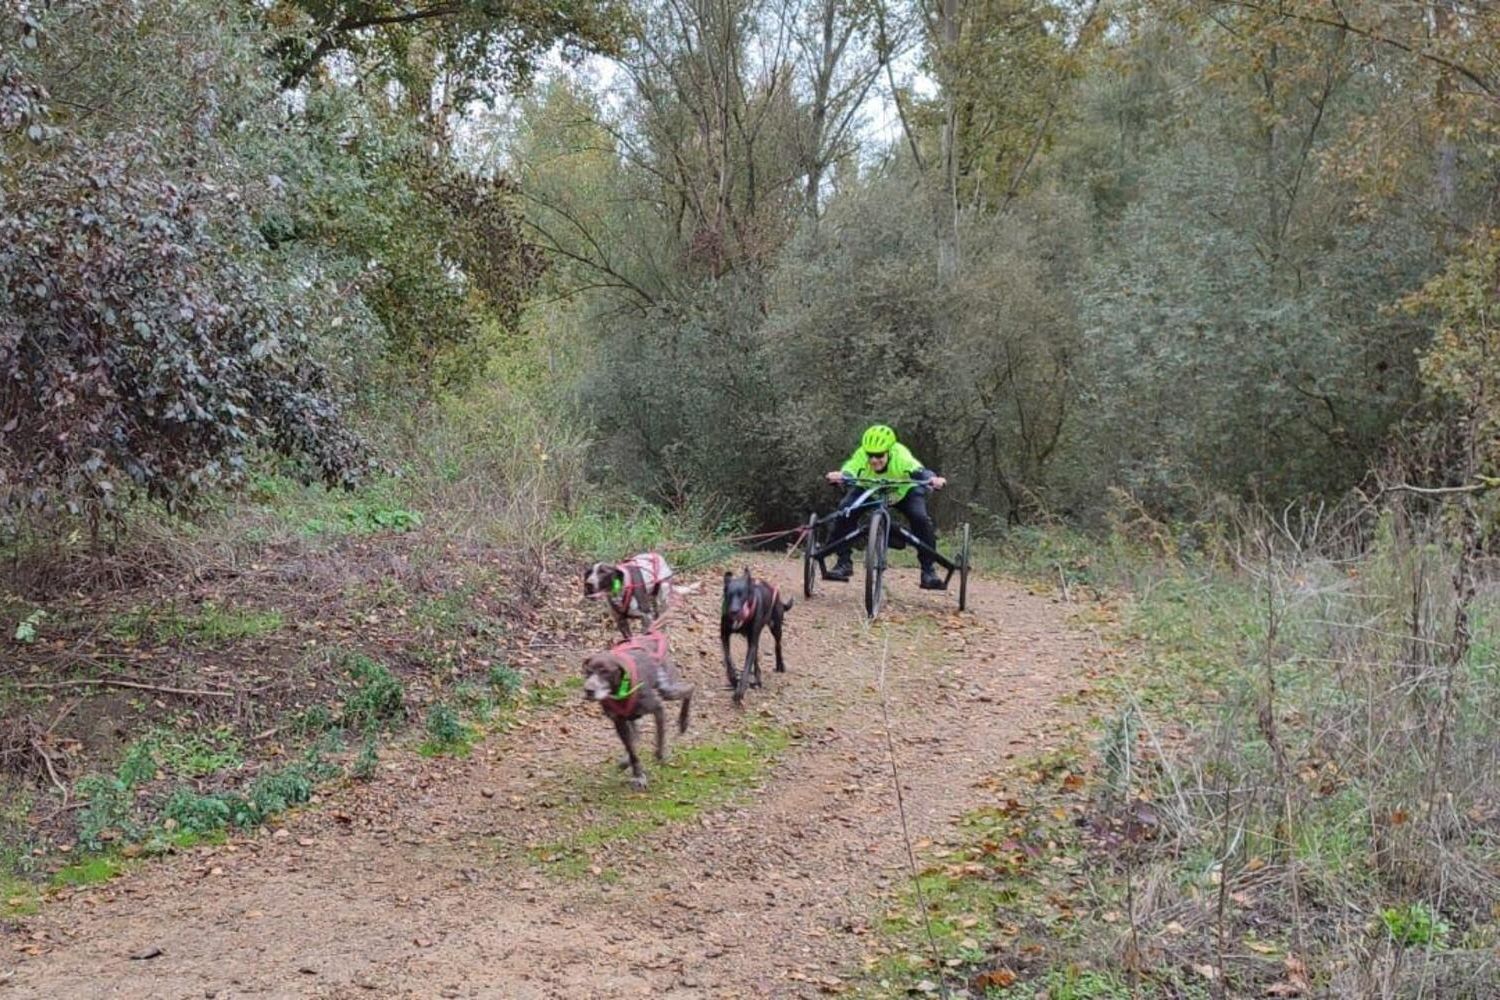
(786, 604)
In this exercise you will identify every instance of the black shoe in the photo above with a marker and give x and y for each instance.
(842, 570)
(931, 581)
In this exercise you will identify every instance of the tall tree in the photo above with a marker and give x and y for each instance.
(484, 46)
(841, 59)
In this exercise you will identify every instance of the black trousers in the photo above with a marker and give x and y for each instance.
(913, 505)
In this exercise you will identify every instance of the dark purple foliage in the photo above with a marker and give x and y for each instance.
(142, 344)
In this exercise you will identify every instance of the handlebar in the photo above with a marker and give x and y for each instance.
(866, 481)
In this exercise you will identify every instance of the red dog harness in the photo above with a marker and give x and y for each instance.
(747, 610)
(641, 573)
(621, 704)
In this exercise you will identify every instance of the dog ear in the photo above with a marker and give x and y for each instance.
(728, 576)
(613, 668)
(588, 664)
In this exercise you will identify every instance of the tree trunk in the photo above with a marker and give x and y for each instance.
(945, 197)
(1445, 179)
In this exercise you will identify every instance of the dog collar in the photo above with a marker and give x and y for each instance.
(621, 702)
(626, 687)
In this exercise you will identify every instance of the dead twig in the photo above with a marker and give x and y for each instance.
(51, 770)
(1481, 485)
(68, 708)
(114, 682)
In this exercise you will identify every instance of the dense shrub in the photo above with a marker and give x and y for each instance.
(147, 340)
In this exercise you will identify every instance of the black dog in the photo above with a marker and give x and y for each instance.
(633, 679)
(749, 606)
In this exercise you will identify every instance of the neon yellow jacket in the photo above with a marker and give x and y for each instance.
(901, 464)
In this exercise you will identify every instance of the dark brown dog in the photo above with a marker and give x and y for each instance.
(633, 679)
(749, 606)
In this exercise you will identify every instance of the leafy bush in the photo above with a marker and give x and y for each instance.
(194, 813)
(277, 792)
(26, 629)
(146, 354)
(138, 765)
(1415, 925)
(106, 814)
(267, 796)
(369, 520)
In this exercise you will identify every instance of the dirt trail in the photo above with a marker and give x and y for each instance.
(400, 891)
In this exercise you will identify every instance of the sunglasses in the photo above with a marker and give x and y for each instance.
(875, 456)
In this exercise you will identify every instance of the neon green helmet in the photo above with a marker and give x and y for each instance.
(878, 439)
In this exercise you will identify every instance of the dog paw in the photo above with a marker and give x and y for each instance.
(639, 781)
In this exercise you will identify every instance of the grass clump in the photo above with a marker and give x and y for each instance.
(375, 507)
(1069, 984)
(181, 753)
(209, 625)
(1311, 737)
(447, 734)
(364, 765)
(505, 681)
(379, 698)
(620, 530)
(19, 897)
(694, 780)
(89, 871)
(313, 720)
(554, 694)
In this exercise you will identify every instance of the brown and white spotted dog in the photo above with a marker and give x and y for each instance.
(633, 679)
(640, 588)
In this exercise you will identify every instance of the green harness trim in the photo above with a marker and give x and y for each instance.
(625, 689)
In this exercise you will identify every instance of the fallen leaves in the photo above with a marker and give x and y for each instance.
(994, 979)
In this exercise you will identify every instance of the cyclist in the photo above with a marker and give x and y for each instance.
(881, 456)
